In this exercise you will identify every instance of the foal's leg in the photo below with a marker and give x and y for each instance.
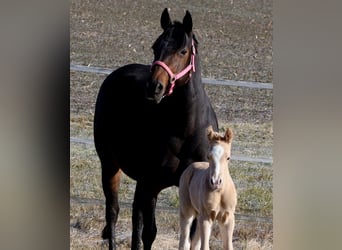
(111, 176)
(143, 216)
(205, 224)
(196, 237)
(226, 231)
(186, 219)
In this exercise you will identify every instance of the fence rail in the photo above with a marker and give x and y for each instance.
(236, 157)
(107, 71)
(87, 201)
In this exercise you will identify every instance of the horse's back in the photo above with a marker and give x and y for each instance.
(123, 86)
(119, 106)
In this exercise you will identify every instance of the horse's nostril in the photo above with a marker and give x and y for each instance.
(160, 86)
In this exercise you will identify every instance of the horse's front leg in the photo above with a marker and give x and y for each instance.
(111, 176)
(143, 217)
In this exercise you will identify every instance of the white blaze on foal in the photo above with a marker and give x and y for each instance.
(216, 180)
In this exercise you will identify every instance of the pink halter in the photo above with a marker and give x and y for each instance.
(175, 77)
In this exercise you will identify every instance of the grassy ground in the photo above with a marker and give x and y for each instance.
(235, 43)
(235, 36)
(254, 185)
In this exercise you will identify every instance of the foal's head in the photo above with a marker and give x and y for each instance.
(219, 155)
(174, 55)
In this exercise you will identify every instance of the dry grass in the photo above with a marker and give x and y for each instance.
(254, 185)
(87, 221)
(235, 36)
(85, 232)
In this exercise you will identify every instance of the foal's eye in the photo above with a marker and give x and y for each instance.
(228, 158)
(183, 52)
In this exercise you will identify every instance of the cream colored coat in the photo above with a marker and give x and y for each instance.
(207, 192)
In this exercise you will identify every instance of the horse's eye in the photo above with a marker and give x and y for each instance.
(228, 158)
(183, 52)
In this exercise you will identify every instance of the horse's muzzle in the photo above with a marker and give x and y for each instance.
(155, 91)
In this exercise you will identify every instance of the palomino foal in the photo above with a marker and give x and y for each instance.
(207, 192)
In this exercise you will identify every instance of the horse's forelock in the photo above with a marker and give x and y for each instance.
(215, 136)
(172, 39)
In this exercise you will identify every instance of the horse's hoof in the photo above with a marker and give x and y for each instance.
(105, 233)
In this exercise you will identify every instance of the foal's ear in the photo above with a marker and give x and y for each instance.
(210, 132)
(165, 19)
(228, 137)
(187, 22)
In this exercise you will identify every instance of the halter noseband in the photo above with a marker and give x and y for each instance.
(175, 77)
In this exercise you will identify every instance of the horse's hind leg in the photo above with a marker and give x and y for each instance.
(111, 176)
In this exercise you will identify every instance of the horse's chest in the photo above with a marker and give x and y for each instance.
(174, 145)
(160, 152)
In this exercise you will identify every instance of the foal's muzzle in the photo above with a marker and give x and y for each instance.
(216, 183)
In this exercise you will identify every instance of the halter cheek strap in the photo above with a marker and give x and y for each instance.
(175, 77)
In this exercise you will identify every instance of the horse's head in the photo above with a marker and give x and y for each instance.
(219, 155)
(174, 57)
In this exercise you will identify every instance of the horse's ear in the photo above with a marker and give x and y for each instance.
(165, 20)
(187, 22)
(229, 135)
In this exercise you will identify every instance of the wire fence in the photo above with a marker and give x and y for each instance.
(107, 71)
(235, 157)
(243, 217)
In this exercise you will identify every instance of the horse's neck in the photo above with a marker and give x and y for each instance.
(196, 80)
(196, 96)
(187, 105)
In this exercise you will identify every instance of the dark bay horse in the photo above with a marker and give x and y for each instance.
(164, 109)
